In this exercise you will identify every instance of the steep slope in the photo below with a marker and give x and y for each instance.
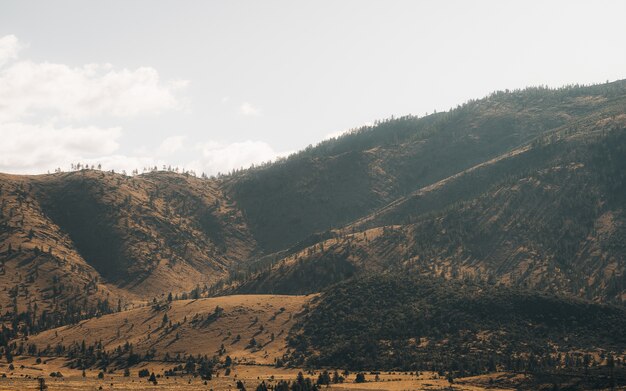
(42, 275)
(343, 179)
(140, 236)
(549, 215)
(151, 233)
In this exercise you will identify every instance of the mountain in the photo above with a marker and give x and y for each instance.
(524, 188)
(341, 180)
(547, 214)
(490, 237)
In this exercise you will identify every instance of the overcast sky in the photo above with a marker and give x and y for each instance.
(216, 85)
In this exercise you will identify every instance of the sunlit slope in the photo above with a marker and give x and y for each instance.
(251, 328)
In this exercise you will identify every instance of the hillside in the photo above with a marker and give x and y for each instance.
(548, 215)
(341, 180)
(397, 323)
(101, 236)
(250, 329)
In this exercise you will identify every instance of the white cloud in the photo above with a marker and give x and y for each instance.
(36, 97)
(44, 108)
(9, 46)
(249, 110)
(29, 148)
(28, 88)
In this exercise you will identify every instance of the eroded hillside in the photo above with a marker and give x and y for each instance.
(100, 235)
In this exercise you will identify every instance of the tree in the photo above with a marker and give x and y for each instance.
(206, 370)
(360, 378)
(323, 378)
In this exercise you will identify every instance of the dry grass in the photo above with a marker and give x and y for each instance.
(198, 330)
(26, 378)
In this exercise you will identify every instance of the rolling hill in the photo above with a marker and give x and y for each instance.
(394, 322)
(248, 328)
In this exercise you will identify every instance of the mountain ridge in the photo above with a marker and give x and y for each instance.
(139, 237)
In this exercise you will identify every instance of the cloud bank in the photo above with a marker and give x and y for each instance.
(51, 115)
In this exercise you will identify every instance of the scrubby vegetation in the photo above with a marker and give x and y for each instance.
(550, 217)
(394, 322)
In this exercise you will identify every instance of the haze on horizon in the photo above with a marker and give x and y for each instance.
(213, 86)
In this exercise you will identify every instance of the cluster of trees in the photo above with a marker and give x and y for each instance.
(301, 383)
(168, 168)
(83, 356)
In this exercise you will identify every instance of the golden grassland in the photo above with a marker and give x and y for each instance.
(194, 328)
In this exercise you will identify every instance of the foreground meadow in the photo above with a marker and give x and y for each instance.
(26, 372)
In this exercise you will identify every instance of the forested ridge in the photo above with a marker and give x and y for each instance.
(394, 322)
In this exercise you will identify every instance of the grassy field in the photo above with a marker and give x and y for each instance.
(26, 372)
(194, 328)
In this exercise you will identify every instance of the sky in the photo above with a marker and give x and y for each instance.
(212, 86)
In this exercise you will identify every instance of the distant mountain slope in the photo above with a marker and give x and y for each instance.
(40, 270)
(394, 322)
(549, 215)
(341, 180)
(143, 236)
